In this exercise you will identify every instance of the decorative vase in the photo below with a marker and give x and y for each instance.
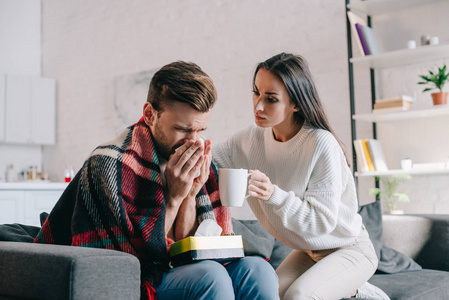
(440, 98)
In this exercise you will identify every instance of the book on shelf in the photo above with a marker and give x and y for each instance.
(360, 154)
(394, 99)
(377, 154)
(399, 103)
(354, 19)
(369, 159)
(370, 155)
(358, 26)
(389, 110)
(371, 40)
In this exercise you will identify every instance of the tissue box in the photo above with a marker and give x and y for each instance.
(194, 248)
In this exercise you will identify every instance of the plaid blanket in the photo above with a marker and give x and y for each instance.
(116, 201)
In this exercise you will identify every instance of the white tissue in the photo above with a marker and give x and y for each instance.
(208, 228)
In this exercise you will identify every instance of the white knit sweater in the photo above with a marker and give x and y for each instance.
(314, 204)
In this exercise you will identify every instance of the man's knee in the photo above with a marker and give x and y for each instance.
(257, 266)
(204, 280)
(210, 273)
(254, 278)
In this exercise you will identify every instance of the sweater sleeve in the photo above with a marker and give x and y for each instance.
(221, 154)
(316, 213)
(228, 154)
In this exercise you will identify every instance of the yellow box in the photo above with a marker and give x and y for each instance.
(194, 248)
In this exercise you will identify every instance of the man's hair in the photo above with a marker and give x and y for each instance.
(182, 82)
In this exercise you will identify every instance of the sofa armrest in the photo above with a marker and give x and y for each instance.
(39, 271)
(425, 238)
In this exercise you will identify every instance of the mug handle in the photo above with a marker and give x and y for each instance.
(247, 195)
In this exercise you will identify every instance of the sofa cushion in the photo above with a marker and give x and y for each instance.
(437, 245)
(258, 242)
(414, 285)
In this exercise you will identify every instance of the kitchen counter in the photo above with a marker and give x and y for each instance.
(33, 185)
(23, 202)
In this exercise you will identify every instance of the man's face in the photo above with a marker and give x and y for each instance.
(174, 125)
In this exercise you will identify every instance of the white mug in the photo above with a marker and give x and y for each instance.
(411, 44)
(434, 40)
(232, 184)
(406, 164)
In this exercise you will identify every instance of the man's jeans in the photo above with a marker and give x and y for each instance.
(246, 278)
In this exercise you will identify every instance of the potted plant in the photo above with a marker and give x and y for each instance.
(388, 191)
(437, 81)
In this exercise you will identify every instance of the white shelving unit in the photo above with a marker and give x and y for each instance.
(379, 7)
(433, 171)
(403, 115)
(402, 57)
(392, 59)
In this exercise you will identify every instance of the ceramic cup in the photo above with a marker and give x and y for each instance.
(406, 164)
(232, 184)
(434, 40)
(411, 44)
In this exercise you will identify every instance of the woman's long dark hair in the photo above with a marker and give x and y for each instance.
(294, 72)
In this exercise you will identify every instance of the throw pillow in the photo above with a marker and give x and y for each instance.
(18, 233)
(256, 240)
(390, 260)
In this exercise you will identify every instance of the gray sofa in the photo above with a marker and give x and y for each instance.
(31, 271)
(425, 238)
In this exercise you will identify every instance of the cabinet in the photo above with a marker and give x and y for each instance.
(11, 203)
(29, 110)
(23, 202)
(402, 58)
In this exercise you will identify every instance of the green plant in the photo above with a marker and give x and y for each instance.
(437, 80)
(388, 191)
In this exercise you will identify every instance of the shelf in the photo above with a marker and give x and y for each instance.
(420, 171)
(402, 57)
(379, 7)
(403, 115)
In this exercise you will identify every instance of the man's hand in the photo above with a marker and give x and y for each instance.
(182, 167)
(260, 186)
(183, 208)
(199, 182)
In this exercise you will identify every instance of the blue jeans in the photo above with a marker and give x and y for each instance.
(246, 278)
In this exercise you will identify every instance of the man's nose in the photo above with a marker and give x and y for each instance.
(192, 135)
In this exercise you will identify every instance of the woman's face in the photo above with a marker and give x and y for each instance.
(271, 102)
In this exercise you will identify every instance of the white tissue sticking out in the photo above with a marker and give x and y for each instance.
(208, 228)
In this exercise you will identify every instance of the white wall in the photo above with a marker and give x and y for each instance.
(20, 53)
(87, 45)
(20, 28)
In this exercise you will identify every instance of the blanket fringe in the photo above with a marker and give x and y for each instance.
(147, 291)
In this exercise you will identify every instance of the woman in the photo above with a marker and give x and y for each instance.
(301, 187)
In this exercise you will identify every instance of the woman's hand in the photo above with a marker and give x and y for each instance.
(260, 186)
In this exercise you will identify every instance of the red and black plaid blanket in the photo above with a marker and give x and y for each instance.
(116, 201)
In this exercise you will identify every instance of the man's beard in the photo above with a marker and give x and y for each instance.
(163, 148)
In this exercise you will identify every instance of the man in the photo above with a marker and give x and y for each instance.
(141, 191)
